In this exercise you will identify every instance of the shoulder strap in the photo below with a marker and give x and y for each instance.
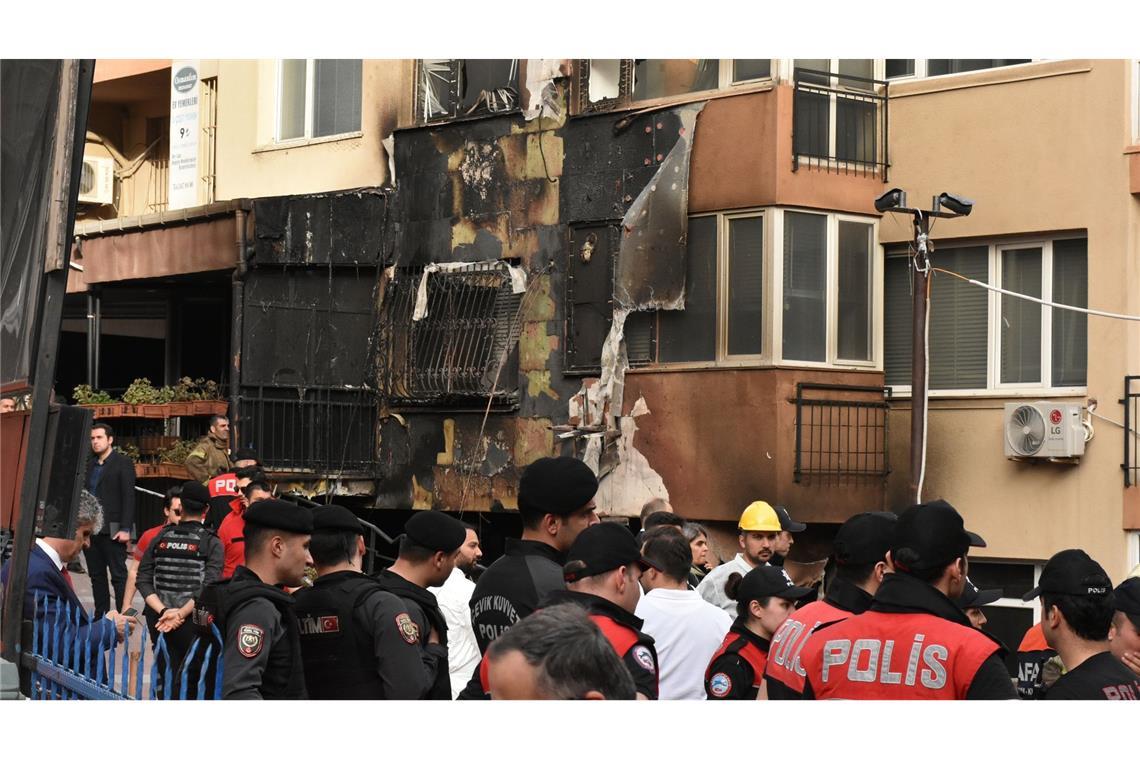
(621, 637)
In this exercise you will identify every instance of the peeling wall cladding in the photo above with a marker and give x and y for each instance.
(609, 170)
(307, 327)
(337, 229)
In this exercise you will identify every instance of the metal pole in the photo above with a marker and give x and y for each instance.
(236, 329)
(920, 279)
(98, 339)
(90, 339)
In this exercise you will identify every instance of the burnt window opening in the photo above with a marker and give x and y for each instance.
(459, 87)
(453, 352)
(603, 84)
(592, 268)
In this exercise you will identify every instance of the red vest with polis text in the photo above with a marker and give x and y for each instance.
(751, 653)
(793, 635)
(879, 655)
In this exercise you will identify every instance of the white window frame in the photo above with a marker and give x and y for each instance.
(920, 70)
(726, 73)
(994, 386)
(310, 100)
(1016, 603)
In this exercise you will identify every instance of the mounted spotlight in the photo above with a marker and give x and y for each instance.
(892, 199)
(956, 204)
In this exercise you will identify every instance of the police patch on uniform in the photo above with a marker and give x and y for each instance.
(644, 658)
(250, 639)
(409, 630)
(720, 684)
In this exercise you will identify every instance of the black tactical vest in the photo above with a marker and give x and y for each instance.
(180, 562)
(340, 661)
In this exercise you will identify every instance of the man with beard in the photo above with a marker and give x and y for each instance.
(760, 531)
(454, 602)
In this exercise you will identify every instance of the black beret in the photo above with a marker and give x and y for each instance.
(1127, 597)
(334, 517)
(556, 486)
(194, 491)
(280, 514)
(436, 531)
(241, 454)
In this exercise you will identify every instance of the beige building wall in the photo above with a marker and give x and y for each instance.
(1040, 148)
(251, 164)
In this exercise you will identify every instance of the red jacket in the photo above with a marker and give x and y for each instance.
(233, 542)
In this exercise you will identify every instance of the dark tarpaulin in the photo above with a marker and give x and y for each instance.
(29, 92)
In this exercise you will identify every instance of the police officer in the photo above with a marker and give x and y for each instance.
(556, 503)
(764, 599)
(860, 555)
(972, 599)
(914, 642)
(262, 647)
(181, 559)
(357, 640)
(760, 532)
(428, 551)
(788, 526)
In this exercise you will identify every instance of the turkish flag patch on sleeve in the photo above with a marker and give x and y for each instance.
(250, 640)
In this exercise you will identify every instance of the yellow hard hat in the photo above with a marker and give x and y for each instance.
(760, 516)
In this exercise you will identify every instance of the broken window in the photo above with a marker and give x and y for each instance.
(450, 333)
(608, 83)
(318, 98)
(590, 298)
(449, 88)
(665, 77)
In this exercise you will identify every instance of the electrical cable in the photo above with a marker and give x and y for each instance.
(925, 391)
(1043, 302)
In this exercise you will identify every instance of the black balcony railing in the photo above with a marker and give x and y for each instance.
(839, 123)
(1131, 403)
(330, 431)
(842, 439)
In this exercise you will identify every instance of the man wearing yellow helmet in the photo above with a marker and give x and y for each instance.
(759, 536)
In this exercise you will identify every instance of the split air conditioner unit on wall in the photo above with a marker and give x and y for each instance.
(97, 183)
(1043, 430)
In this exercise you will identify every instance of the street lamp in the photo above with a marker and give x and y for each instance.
(948, 206)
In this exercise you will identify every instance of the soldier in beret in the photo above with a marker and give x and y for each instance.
(357, 640)
(262, 648)
(428, 551)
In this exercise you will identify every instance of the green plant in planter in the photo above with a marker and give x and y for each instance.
(140, 391)
(84, 394)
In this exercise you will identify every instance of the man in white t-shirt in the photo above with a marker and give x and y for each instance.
(454, 598)
(687, 630)
(759, 538)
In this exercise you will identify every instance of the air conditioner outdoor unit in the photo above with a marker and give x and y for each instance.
(1043, 430)
(97, 182)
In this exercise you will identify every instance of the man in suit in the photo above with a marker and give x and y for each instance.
(111, 479)
(49, 580)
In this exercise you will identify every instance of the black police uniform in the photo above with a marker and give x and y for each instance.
(358, 641)
(180, 560)
(510, 589)
(637, 650)
(262, 649)
(423, 607)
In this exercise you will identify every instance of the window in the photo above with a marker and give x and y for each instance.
(932, 67)
(604, 83)
(448, 88)
(836, 109)
(774, 285)
(979, 341)
(318, 98)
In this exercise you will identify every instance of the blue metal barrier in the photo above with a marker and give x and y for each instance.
(67, 662)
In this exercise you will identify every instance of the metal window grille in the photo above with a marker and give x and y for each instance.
(453, 352)
(1131, 401)
(857, 118)
(840, 440)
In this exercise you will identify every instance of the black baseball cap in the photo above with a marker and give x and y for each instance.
(332, 518)
(1126, 597)
(865, 538)
(556, 486)
(764, 581)
(1073, 573)
(436, 531)
(195, 492)
(935, 532)
(972, 596)
(786, 521)
(241, 454)
(280, 514)
(601, 548)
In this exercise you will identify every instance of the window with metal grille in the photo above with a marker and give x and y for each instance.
(447, 88)
(450, 336)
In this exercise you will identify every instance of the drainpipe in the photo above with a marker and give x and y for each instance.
(235, 329)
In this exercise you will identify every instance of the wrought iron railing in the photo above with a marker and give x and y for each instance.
(321, 430)
(1131, 402)
(840, 123)
(464, 346)
(840, 438)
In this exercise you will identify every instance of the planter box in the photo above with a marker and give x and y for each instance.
(160, 411)
(210, 407)
(149, 444)
(164, 470)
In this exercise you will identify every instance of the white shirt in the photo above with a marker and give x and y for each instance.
(711, 587)
(454, 598)
(687, 631)
(53, 555)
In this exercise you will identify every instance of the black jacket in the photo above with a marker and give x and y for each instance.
(116, 492)
(511, 587)
(424, 609)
